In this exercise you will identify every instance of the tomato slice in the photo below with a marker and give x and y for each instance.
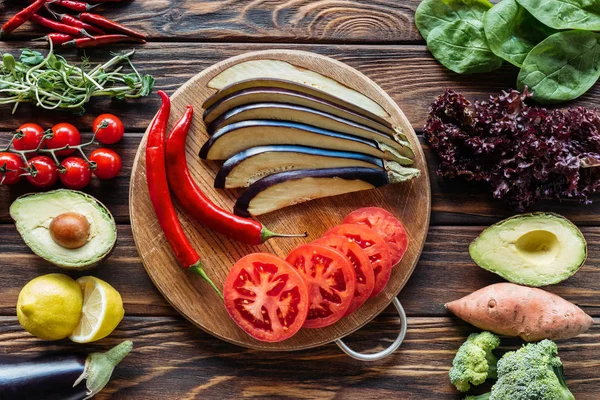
(266, 297)
(330, 279)
(365, 278)
(386, 225)
(374, 247)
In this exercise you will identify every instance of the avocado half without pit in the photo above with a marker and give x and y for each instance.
(535, 249)
(67, 228)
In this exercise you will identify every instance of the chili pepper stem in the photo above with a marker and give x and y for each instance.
(266, 234)
(198, 269)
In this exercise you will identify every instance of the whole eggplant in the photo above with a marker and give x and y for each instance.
(58, 376)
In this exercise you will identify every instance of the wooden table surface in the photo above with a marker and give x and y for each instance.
(174, 360)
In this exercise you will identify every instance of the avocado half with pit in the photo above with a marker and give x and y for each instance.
(65, 227)
(535, 249)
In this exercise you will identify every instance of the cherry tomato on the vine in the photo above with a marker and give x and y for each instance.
(76, 174)
(64, 134)
(11, 168)
(112, 133)
(44, 172)
(108, 163)
(29, 137)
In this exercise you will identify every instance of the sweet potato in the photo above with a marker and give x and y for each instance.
(513, 310)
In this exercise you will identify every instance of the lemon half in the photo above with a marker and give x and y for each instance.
(102, 310)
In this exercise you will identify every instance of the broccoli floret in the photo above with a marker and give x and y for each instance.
(474, 362)
(484, 396)
(534, 372)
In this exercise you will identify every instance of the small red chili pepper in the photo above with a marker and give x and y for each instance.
(21, 17)
(156, 177)
(57, 26)
(106, 23)
(56, 38)
(84, 43)
(71, 20)
(196, 203)
(75, 5)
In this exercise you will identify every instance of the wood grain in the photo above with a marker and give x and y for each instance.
(409, 74)
(182, 290)
(173, 360)
(445, 272)
(324, 21)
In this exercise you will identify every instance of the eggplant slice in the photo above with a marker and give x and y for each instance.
(297, 78)
(302, 115)
(277, 90)
(253, 164)
(240, 136)
(293, 187)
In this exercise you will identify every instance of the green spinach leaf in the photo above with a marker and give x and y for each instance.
(566, 14)
(512, 32)
(462, 47)
(432, 14)
(562, 67)
(31, 57)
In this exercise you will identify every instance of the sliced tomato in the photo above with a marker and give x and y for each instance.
(330, 279)
(374, 247)
(365, 278)
(266, 297)
(386, 225)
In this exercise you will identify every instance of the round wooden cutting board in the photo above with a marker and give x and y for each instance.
(192, 297)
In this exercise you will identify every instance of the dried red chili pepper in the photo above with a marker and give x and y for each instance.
(21, 17)
(106, 23)
(196, 203)
(56, 38)
(57, 26)
(84, 43)
(71, 20)
(156, 177)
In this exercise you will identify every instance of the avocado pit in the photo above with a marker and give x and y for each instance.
(70, 230)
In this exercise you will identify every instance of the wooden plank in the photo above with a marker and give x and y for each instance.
(408, 73)
(444, 273)
(172, 359)
(327, 21)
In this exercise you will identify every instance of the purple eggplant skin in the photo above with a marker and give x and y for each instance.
(293, 125)
(373, 176)
(239, 157)
(48, 377)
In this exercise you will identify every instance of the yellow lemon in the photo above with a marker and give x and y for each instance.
(102, 310)
(49, 306)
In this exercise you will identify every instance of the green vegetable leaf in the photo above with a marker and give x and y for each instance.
(44, 83)
(462, 48)
(432, 14)
(9, 62)
(31, 57)
(562, 67)
(54, 63)
(512, 32)
(565, 14)
(130, 80)
(147, 85)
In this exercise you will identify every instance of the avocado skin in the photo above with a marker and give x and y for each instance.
(513, 273)
(81, 267)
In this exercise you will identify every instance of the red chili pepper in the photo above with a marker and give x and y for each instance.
(196, 203)
(71, 20)
(56, 38)
(156, 177)
(57, 26)
(21, 17)
(84, 43)
(102, 22)
(75, 5)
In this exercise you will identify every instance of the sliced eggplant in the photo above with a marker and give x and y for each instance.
(293, 187)
(253, 164)
(259, 94)
(240, 136)
(302, 115)
(301, 77)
